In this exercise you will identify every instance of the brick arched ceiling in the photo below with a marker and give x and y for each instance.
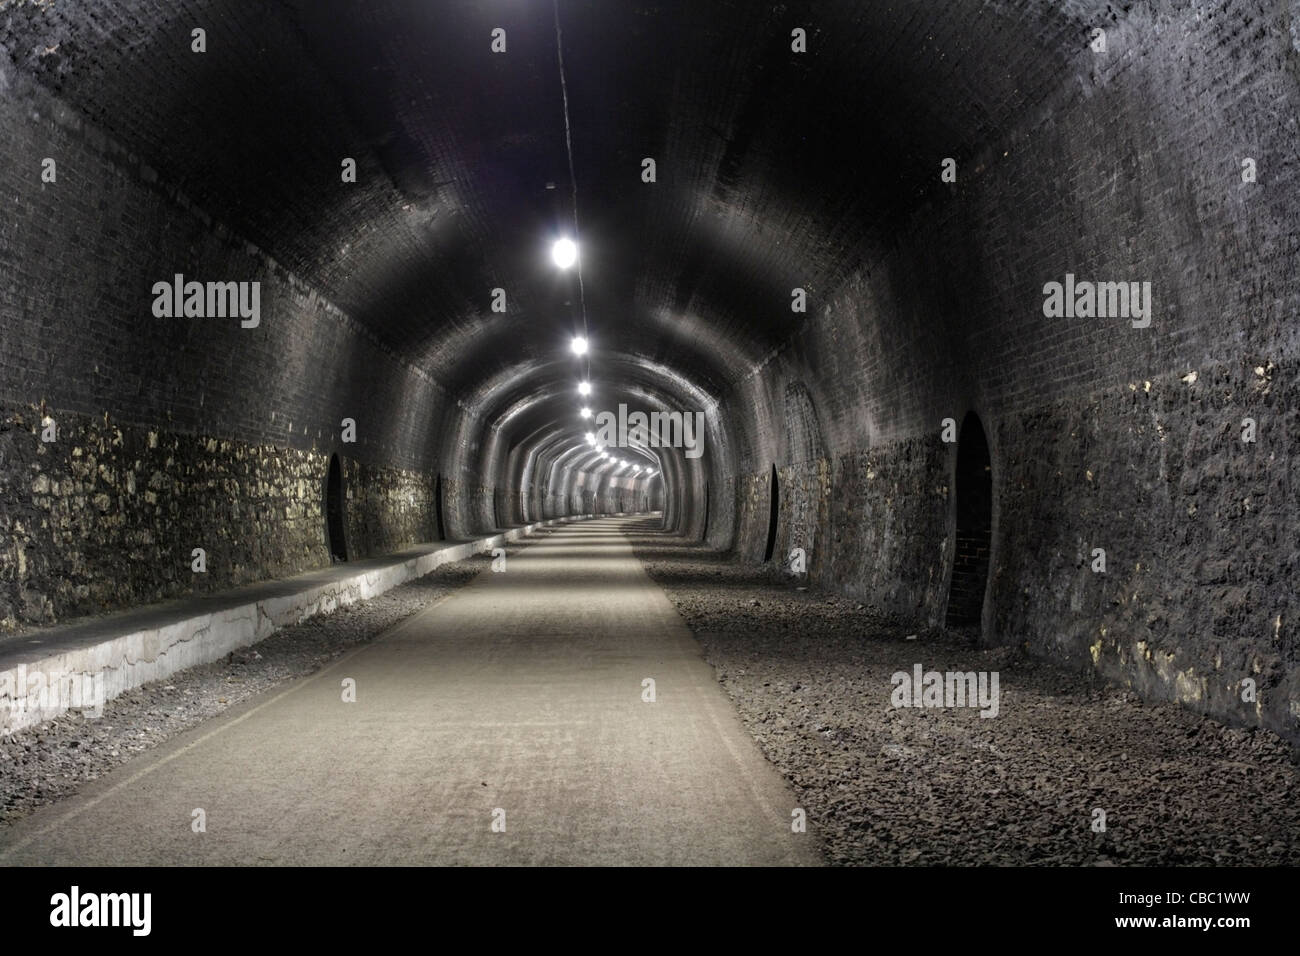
(772, 166)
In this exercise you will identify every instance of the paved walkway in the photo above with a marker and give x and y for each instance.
(521, 692)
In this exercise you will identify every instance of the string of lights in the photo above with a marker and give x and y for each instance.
(566, 254)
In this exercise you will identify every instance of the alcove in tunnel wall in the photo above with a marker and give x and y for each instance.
(973, 525)
(804, 479)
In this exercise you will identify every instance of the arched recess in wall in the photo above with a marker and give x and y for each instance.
(335, 518)
(704, 535)
(437, 508)
(807, 503)
(774, 502)
(804, 433)
(973, 502)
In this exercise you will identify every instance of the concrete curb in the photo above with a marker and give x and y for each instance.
(88, 663)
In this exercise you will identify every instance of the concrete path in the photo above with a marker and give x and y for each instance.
(521, 692)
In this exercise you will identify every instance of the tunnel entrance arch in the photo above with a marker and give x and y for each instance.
(335, 521)
(974, 525)
(774, 502)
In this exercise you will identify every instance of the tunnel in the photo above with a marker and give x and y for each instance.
(575, 433)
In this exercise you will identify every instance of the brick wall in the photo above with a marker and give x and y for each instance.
(176, 433)
(1100, 433)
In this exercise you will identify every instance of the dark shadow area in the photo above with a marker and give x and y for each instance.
(335, 519)
(437, 505)
(704, 535)
(774, 515)
(974, 503)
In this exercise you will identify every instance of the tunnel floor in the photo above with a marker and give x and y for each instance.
(811, 676)
(506, 723)
(520, 696)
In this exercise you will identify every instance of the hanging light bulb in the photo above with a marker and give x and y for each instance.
(564, 253)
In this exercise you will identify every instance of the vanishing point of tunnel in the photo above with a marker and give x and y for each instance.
(568, 432)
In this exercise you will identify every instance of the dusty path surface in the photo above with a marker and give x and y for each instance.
(44, 764)
(517, 699)
(811, 675)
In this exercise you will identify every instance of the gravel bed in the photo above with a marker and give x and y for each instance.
(40, 765)
(810, 673)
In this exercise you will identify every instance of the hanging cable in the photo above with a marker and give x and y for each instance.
(573, 180)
